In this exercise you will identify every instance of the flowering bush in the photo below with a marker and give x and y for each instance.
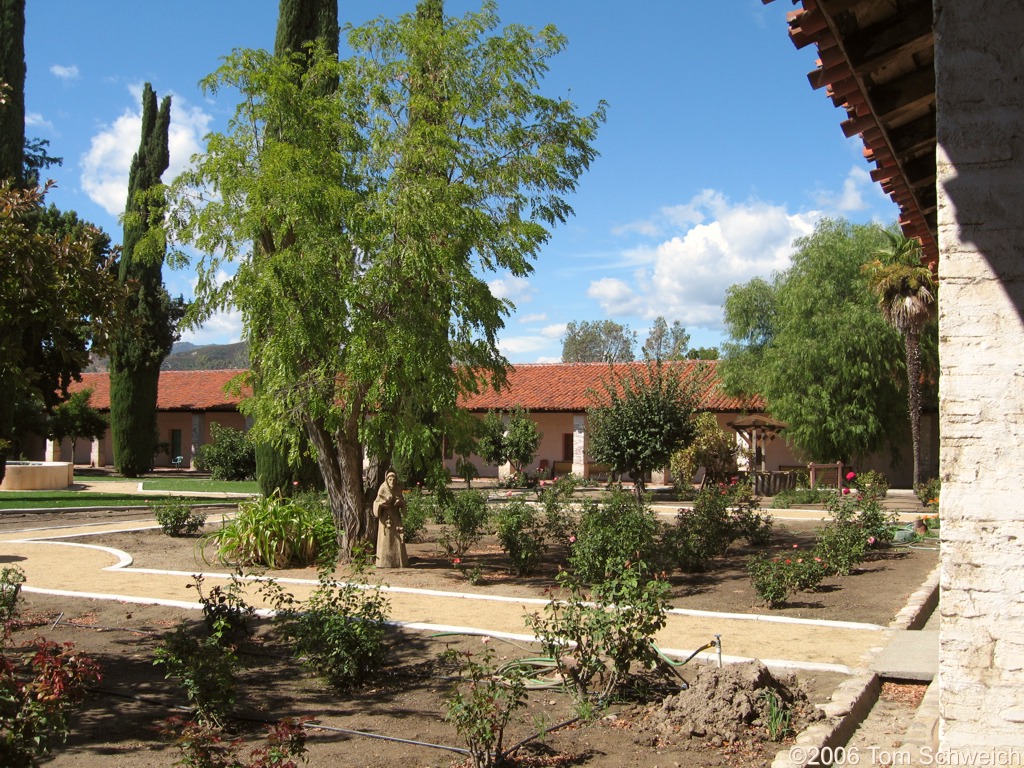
(871, 486)
(521, 536)
(465, 517)
(561, 519)
(774, 579)
(928, 493)
(613, 533)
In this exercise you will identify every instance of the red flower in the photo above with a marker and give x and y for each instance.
(788, 561)
(845, 491)
(851, 476)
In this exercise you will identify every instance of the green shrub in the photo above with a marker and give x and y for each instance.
(703, 532)
(748, 522)
(595, 639)
(177, 518)
(561, 519)
(870, 485)
(774, 579)
(277, 533)
(420, 507)
(206, 668)
(521, 535)
(483, 711)
(928, 492)
(786, 499)
(11, 579)
(612, 534)
(465, 518)
(339, 631)
(230, 454)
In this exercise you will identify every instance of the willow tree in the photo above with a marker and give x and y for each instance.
(906, 291)
(364, 225)
(146, 327)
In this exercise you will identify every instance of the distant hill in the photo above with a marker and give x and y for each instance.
(186, 356)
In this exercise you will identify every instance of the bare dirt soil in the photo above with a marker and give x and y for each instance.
(117, 726)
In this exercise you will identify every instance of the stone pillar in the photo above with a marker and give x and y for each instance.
(198, 422)
(980, 164)
(579, 434)
(52, 450)
(96, 453)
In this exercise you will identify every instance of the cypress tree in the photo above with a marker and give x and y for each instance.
(12, 74)
(146, 330)
(299, 22)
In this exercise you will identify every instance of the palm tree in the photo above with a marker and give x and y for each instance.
(907, 292)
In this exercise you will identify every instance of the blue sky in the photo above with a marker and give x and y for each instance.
(715, 156)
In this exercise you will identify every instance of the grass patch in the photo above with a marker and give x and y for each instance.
(199, 485)
(71, 499)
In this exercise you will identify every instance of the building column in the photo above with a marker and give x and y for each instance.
(579, 434)
(52, 450)
(96, 452)
(980, 163)
(198, 422)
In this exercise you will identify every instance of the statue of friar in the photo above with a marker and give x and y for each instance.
(387, 508)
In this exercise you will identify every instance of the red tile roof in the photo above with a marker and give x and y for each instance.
(562, 387)
(178, 390)
(557, 387)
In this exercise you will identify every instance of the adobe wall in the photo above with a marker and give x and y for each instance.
(980, 104)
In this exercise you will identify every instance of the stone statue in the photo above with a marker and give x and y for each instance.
(387, 508)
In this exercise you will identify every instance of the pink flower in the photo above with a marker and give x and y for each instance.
(851, 476)
(817, 559)
(509, 494)
(871, 540)
(295, 482)
(485, 640)
(572, 539)
(845, 491)
(796, 546)
(456, 560)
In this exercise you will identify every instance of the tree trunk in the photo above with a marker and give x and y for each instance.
(913, 344)
(341, 458)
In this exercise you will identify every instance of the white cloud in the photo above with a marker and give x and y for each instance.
(686, 275)
(222, 328)
(554, 331)
(36, 120)
(537, 317)
(521, 345)
(65, 73)
(615, 297)
(515, 289)
(106, 164)
(851, 198)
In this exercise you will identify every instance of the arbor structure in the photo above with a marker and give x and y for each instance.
(907, 292)
(147, 322)
(598, 341)
(376, 207)
(814, 344)
(667, 343)
(640, 416)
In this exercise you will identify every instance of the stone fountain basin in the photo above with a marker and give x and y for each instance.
(38, 475)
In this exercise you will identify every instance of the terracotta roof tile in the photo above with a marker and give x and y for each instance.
(556, 387)
(178, 390)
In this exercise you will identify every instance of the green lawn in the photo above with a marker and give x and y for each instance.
(186, 484)
(70, 499)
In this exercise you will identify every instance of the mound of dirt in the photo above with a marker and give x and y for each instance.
(731, 704)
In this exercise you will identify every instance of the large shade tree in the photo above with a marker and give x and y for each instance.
(813, 342)
(597, 341)
(364, 224)
(12, 90)
(906, 291)
(148, 319)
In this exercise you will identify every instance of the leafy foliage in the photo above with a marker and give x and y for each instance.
(712, 448)
(792, 341)
(377, 206)
(75, 418)
(339, 631)
(641, 416)
(720, 515)
(521, 534)
(147, 319)
(598, 341)
(465, 516)
(613, 534)
(206, 668)
(277, 532)
(513, 438)
(177, 518)
(595, 638)
(230, 454)
(481, 709)
(667, 343)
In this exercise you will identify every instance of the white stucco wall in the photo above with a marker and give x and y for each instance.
(980, 107)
